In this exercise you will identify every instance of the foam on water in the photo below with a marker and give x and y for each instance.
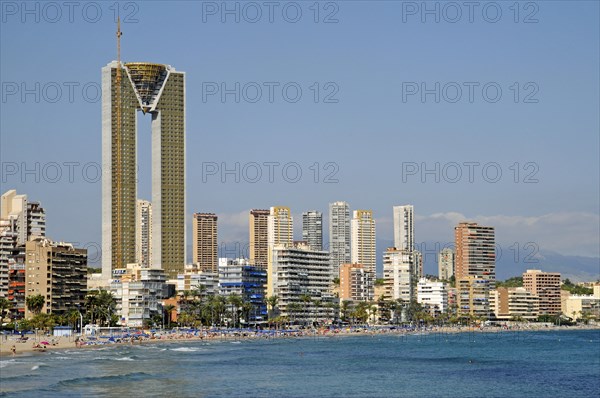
(185, 349)
(4, 364)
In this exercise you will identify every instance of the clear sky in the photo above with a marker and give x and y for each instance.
(369, 126)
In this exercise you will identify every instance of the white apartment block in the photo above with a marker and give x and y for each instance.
(432, 295)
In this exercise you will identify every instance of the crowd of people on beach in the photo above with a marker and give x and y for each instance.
(188, 334)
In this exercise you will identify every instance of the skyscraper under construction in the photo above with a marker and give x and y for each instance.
(158, 90)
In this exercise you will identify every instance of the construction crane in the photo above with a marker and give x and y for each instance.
(119, 163)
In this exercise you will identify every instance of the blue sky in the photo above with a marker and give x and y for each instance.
(370, 134)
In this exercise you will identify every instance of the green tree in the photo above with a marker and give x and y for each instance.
(5, 305)
(576, 289)
(35, 303)
(515, 281)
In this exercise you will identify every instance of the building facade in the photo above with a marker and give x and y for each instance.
(143, 232)
(446, 264)
(204, 242)
(363, 239)
(295, 273)
(138, 293)
(404, 230)
(312, 229)
(473, 297)
(259, 237)
(340, 236)
(20, 220)
(399, 275)
(58, 272)
(474, 263)
(237, 276)
(545, 285)
(356, 283)
(433, 296)
(160, 91)
(280, 226)
(514, 303)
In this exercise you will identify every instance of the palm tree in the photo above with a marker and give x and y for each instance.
(317, 306)
(35, 303)
(272, 304)
(100, 304)
(169, 310)
(345, 310)
(292, 310)
(372, 309)
(72, 317)
(305, 298)
(246, 310)
(236, 301)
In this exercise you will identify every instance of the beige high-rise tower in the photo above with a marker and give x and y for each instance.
(280, 227)
(158, 90)
(205, 245)
(363, 239)
(259, 237)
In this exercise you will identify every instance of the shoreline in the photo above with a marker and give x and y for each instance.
(65, 343)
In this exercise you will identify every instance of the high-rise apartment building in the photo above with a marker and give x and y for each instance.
(312, 229)
(137, 292)
(296, 271)
(205, 244)
(237, 276)
(356, 283)
(280, 226)
(340, 236)
(20, 220)
(474, 267)
(475, 251)
(259, 237)
(363, 239)
(143, 233)
(160, 91)
(545, 285)
(57, 271)
(404, 227)
(399, 275)
(446, 264)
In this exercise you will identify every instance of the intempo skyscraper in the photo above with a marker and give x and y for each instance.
(157, 90)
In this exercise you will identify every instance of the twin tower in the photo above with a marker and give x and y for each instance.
(158, 90)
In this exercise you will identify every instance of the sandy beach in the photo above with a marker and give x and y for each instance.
(60, 343)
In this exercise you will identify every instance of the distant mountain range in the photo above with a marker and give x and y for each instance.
(576, 268)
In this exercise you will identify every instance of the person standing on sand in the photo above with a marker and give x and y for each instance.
(13, 349)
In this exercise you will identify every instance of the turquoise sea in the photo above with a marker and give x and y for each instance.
(504, 364)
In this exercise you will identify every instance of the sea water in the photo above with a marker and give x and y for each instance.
(504, 364)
